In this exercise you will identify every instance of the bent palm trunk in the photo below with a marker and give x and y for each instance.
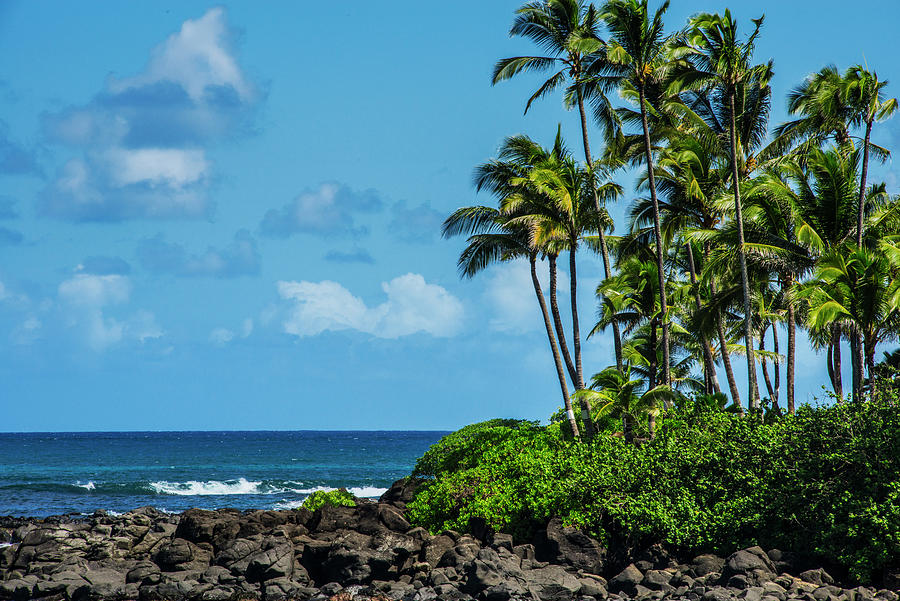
(557, 360)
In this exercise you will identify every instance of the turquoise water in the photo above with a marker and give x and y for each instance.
(55, 473)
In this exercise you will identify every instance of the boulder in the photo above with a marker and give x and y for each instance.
(401, 492)
(626, 581)
(570, 546)
(274, 559)
(817, 576)
(707, 564)
(752, 563)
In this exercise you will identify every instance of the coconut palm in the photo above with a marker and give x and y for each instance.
(567, 31)
(722, 63)
(864, 94)
(492, 239)
(860, 289)
(637, 49)
(556, 205)
(616, 393)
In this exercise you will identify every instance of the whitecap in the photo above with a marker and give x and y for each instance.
(89, 486)
(366, 491)
(241, 486)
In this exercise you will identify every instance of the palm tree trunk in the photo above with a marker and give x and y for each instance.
(557, 322)
(836, 364)
(829, 363)
(726, 358)
(651, 424)
(856, 348)
(792, 342)
(607, 273)
(709, 365)
(576, 344)
(870, 368)
(765, 369)
(557, 360)
(862, 185)
(667, 376)
(777, 365)
(653, 367)
(745, 283)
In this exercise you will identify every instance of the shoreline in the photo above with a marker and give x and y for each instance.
(369, 552)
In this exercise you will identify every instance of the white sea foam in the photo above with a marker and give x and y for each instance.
(367, 491)
(241, 486)
(288, 504)
(88, 486)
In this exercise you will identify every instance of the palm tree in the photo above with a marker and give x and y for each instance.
(637, 48)
(863, 93)
(617, 394)
(721, 62)
(567, 31)
(492, 239)
(860, 289)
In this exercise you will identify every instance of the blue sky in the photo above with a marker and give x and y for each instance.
(218, 217)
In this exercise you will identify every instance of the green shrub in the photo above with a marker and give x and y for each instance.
(320, 498)
(824, 484)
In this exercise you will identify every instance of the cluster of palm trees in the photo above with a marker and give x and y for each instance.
(733, 234)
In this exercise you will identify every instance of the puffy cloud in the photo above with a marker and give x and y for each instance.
(357, 255)
(412, 306)
(326, 211)
(86, 290)
(419, 224)
(85, 299)
(143, 138)
(238, 258)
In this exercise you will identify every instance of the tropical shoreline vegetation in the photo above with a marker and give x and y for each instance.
(737, 231)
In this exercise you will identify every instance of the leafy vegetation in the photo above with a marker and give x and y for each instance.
(335, 498)
(736, 239)
(824, 483)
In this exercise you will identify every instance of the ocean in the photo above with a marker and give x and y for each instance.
(44, 474)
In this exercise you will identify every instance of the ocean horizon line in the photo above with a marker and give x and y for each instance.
(260, 431)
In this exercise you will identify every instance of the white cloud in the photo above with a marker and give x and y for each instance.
(95, 291)
(171, 167)
(85, 299)
(144, 138)
(509, 293)
(412, 306)
(197, 57)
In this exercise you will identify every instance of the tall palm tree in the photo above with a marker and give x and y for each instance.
(567, 31)
(859, 288)
(637, 48)
(863, 92)
(720, 61)
(491, 239)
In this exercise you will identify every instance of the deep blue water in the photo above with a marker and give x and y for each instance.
(55, 473)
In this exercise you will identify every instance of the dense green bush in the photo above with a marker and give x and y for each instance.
(320, 498)
(824, 484)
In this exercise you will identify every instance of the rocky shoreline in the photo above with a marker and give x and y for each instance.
(368, 552)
